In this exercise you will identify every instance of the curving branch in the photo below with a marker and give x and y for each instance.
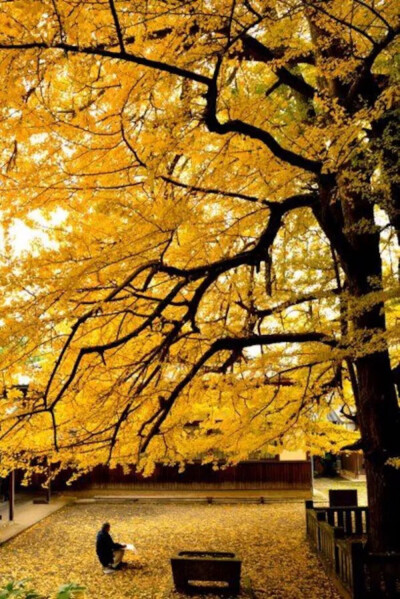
(101, 51)
(206, 274)
(211, 120)
(248, 130)
(82, 319)
(233, 344)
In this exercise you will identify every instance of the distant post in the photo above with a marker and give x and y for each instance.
(11, 495)
(48, 488)
(312, 474)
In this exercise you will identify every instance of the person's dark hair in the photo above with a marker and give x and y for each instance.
(105, 526)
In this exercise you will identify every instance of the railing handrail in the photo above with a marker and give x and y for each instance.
(327, 508)
(354, 519)
(353, 508)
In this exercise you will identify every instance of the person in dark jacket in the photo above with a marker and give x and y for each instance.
(109, 553)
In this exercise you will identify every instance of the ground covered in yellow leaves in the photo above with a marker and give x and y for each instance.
(270, 539)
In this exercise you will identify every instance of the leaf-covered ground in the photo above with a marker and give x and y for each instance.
(270, 539)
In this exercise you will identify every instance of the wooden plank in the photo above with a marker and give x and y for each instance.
(358, 522)
(331, 517)
(348, 528)
(357, 570)
(340, 515)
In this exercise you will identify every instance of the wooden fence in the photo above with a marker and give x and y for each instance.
(353, 520)
(252, 474)
(357, 573)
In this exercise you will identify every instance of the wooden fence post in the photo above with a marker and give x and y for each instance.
(357, 566)
(321, 517)
(48, 488)
(11, 495)
(48, 493)
(309, 505)
(338, 533)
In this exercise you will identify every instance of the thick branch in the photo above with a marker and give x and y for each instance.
(233, 126)
(256, 254)
(255, 49)
(238, 126)
(99, 51)
(210, 272)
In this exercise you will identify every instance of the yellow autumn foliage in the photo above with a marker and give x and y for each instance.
(163, 172)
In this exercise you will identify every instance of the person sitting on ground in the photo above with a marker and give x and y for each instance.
(109, 553)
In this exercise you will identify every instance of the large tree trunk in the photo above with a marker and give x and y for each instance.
(348, 221)
(377, 406)
(378, 417)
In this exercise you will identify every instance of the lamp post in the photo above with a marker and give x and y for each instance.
(11, 495)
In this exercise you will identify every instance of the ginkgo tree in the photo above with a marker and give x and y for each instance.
(201, 220)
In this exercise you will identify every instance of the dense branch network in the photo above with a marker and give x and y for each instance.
(206, 275)
(197, 281)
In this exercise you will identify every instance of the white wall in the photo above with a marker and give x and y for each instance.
(292, 455)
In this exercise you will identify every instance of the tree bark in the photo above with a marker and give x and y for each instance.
(379, 424)
(348, 221)
(377, 406)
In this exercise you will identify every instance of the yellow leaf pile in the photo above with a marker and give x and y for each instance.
(270, 540)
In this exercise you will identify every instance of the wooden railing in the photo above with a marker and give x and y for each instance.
(343, 564)
(328, 536)
(313, 530)
(357, 573)
(349, 566)
(368, 575)
(353, 520)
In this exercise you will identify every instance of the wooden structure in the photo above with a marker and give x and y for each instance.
(338, 535)
(352, 464)
(251, 474)
(343, 498)
(7, 493)
(190, 567)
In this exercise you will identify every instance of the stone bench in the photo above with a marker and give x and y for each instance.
(190, 567)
